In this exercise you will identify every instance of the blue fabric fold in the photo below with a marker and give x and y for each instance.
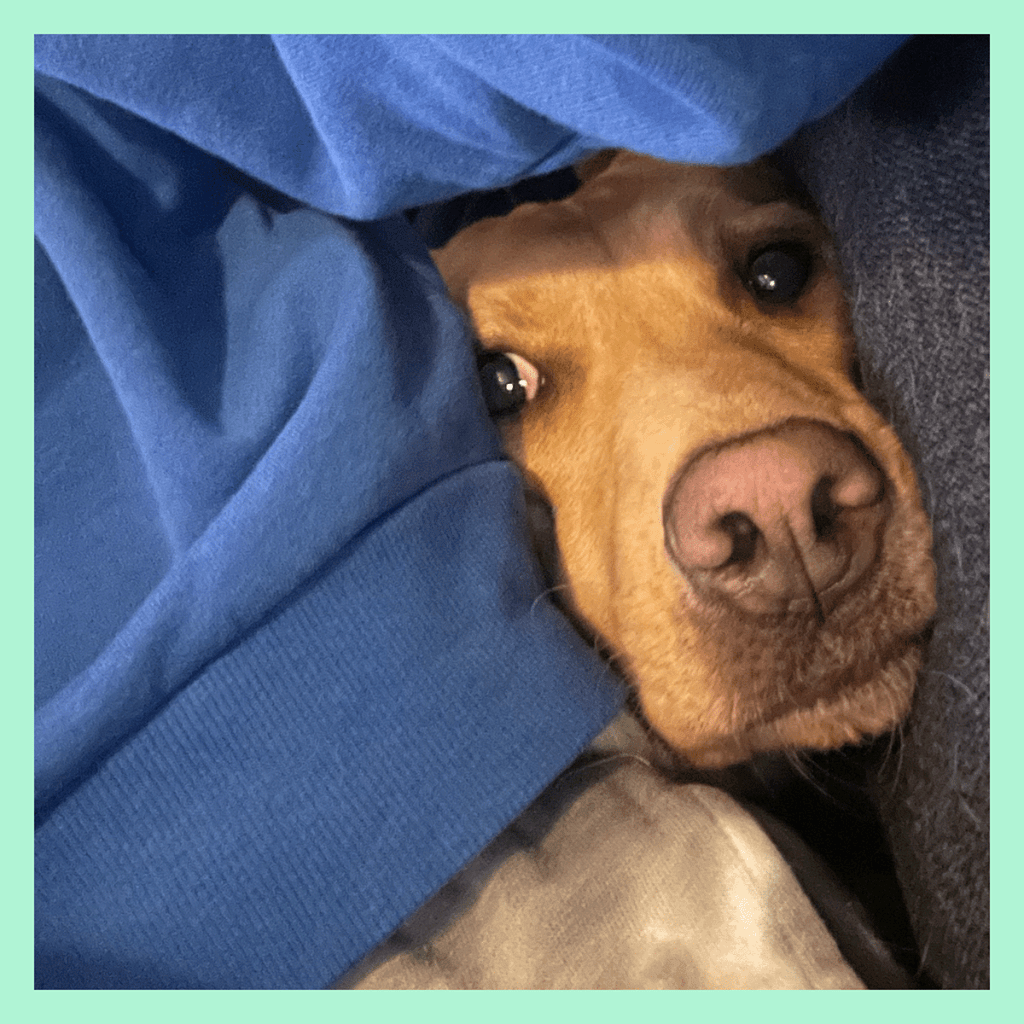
(366, 126)
(292, 665)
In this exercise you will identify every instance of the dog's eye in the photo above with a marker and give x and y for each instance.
(508, 380)
(779, 273)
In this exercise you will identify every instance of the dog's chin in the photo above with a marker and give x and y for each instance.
(851, 715)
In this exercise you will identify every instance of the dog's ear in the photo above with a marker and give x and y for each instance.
(591, 166)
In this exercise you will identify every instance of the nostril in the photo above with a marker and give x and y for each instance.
(742, 534)
(824, 510)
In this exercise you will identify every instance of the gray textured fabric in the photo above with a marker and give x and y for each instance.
(618, 878)
(900, 172)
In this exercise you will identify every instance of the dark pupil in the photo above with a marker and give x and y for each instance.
(499, 378)
(779, 274)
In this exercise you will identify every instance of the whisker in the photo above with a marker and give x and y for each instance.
(547, 593)
(895, 745)
(801, 763)
(611, 758)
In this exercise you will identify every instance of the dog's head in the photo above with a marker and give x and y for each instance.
(733, 520)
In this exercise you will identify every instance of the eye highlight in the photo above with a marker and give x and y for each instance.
(508, 382)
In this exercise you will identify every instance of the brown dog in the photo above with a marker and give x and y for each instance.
(733, 520)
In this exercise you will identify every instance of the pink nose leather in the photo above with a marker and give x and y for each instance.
(785, 520)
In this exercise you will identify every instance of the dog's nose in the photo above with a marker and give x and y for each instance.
(788, 519)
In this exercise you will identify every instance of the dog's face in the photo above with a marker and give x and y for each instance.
(738, 526)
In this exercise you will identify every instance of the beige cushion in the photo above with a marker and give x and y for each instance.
(618, 878)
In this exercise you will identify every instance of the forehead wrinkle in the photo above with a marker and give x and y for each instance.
(536, 311)
(541, 238)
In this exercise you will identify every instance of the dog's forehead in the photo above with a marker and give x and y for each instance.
(637, 210)
(534, 239)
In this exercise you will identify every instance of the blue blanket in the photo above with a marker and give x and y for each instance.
(291, 669)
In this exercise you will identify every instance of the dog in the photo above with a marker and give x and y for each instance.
(671, 356)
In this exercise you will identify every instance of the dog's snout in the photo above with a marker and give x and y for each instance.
(785, 520)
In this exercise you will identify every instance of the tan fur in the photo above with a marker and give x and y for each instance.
(626, 297)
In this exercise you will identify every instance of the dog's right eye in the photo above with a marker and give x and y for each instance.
(508, 382)
(779, 273)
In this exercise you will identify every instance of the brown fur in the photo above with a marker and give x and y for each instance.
(628, 299)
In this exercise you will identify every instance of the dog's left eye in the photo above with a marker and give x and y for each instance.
(508, 382)
(779, 273)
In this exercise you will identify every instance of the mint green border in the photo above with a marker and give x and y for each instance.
(20, 1002)
(1007, 494)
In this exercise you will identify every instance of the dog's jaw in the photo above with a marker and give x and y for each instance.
(852, 715)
